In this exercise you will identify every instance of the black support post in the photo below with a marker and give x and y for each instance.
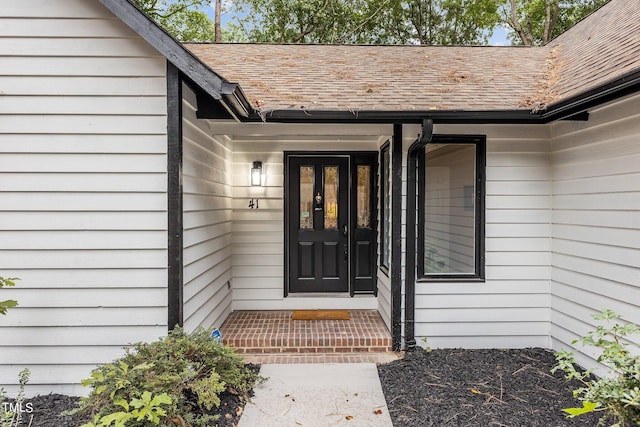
(174, 192)
(396, 237)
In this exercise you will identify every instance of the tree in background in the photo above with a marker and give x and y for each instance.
(445, 22)
(365, 21)
(307, 21)
(216, 21)
(442, 22)
(186, 20)
(536, 22)
(451, 22)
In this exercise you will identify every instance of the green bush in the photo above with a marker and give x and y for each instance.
(618, 394)
(174, 381)
(7, 304)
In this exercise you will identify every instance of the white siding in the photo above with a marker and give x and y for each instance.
(596, 222)
(82, 190)
(384, 277)
(207, 221)
(258, 234)
(510, 309)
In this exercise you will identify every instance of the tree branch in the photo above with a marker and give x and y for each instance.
(514, 22)
(311, 27)
(363, 23)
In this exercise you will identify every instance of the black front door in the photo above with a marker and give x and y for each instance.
(331, 222)
(318, 221)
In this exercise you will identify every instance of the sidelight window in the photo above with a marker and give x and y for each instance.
(306, 197)
(385, 208)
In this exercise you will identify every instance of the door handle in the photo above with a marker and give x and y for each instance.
(345, 230)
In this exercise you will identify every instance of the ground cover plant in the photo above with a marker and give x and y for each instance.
(175, 381)
(617, 393)
(13, 412)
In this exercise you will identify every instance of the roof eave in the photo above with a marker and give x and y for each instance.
(619, 87)
(394, 116)
(567, 109)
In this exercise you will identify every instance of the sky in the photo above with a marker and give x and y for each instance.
(499, 37)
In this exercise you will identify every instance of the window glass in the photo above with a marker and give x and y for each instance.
(450, 214)
(331, 197)
(385, 209)
(363, 197)
(306, 197)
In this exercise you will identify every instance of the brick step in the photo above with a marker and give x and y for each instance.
(288, 344)
(274, 332)
(289, 358)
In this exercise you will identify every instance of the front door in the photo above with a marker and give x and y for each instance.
(318, 244)
(331, 231)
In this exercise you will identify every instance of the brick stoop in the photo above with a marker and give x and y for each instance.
(274, 332)
(288, 358)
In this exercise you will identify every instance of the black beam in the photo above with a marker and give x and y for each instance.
(208, 108)
(174, 197)
(169, 47)
(396, 237)
(578, 117)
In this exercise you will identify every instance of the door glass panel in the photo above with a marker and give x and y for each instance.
(364, 197)
(331, 197)
(306, 197)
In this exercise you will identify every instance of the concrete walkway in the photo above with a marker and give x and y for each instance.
(310, 395)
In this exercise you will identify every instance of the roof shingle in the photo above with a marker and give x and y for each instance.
(602, 47)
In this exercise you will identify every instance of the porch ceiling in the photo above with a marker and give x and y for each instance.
(304, 133)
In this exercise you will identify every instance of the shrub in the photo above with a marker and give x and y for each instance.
(617, 395)
(178, 379)
(7, 304)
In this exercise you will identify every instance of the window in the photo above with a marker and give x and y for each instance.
(451, 209)
(385, 208)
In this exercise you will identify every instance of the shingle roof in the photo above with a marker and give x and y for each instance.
(604, 46)
(391, 78)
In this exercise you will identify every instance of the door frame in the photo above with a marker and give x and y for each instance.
(355, 157)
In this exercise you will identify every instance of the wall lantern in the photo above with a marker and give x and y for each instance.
(256, 174)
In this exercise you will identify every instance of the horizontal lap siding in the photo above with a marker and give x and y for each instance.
(384, 276)
(207, 221)
(510, 309)
(82, 190)
(258, 234)
(596, 222)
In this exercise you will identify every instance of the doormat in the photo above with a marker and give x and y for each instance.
(320, 315)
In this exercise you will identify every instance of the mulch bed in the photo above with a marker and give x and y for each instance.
(447, 387)
(455, 387)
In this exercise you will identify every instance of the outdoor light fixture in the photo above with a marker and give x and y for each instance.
(256, 174)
